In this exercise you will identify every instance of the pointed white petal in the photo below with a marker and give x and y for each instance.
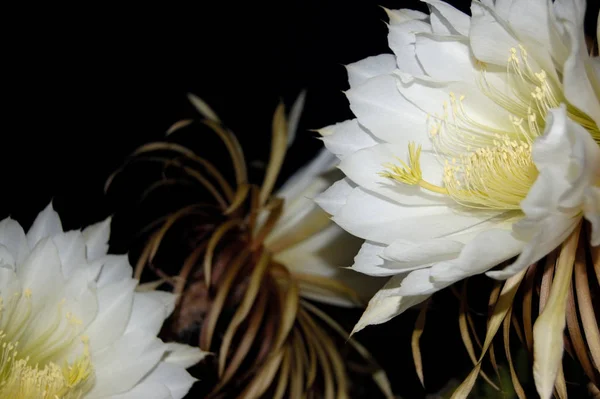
(345, 138)
(485, 251)
(332, 199)
(123, 364)
(446, 58)
(489, 36)
(13, 238)
(41, 272)
(367, 68)
(96, 239)
(386, 304)
(115, 302)
(327, 254)
(114, 268)
(71, 249)
(370, 261)
(149, 311)
(447, 19)
(374, 218)
(184, 356)
(401, 39)
(46, 224)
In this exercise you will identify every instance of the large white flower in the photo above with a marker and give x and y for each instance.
(72, 324)
(475, 143)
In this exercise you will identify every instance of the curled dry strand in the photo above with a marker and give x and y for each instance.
(266, 341)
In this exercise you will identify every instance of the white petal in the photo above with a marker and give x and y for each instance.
(369, 261)
(122, 365)
(409, 253)
(96, 239)
(445, 58)
(81, 297)
(46, 224)
(326, 254)
(386, 304)
(447, 18)
(304, 177)
(184, 356)
(9, 285)
(401, 39)
(345, 138)
(502, 7)
(529, 19)
(149, 311)
(367, 68)
(148, 390)
(41, 272)
(489, 37)
(549, 234)
(398, 17)
(6, 258)
(419, 282)
(486, 250)
(114, 268)
(176, 379)
(332, 199)
(381, 108)
(71, 249)
(13, 238)
(115, 302)
(433, 98)
(373, 218)
(577, 86)
(364, 168)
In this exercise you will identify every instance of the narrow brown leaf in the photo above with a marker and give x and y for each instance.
(278, 150)
(586, 306)
(284, 374)
(527, 305)
(577, 340)
(289, 308)
(502, 306)
(248, 338)
(223, 289)
(513, 375)
(214, 240)
(240, 196)
(416, 337)
(233, 147)
(263, 379)
(328, 284)
(244, 307)
(466, 336)
(379, 376)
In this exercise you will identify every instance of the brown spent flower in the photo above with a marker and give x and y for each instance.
(235, 299)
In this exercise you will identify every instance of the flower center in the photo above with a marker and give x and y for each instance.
(489, 167)
(40, 357)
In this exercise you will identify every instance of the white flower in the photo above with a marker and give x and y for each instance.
(475, 143)
(72, 324)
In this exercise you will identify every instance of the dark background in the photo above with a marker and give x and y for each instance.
(85, 85)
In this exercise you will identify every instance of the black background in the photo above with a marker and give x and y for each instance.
(85, 85)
